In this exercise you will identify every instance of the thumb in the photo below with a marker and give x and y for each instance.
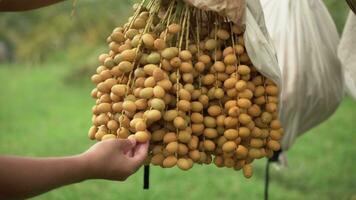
(127, 144)
(140, 153)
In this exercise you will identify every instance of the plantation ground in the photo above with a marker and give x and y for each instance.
(41, 114)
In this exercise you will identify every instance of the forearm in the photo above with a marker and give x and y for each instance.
(26, 177)
(23, 5)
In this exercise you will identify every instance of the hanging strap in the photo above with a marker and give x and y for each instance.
(266, 179)
(267, 176)
(146, 177)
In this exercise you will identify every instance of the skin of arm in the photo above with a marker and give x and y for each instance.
(24, 5)
(114, 159)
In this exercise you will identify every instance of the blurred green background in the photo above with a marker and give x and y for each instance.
(46, 57)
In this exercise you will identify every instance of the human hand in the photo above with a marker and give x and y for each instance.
(115, 159)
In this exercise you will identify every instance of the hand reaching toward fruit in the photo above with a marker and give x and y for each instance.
(115, 159)
(112, 159)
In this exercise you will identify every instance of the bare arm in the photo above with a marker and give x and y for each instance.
(23, 5)
(111, 159)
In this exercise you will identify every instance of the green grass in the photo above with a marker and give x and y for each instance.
(42, 115)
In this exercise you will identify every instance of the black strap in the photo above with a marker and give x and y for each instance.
(146, 177)
(267, 177)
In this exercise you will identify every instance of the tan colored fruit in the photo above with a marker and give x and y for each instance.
(128, 55)
(123, 133)
(199, 66)
(153, 115)
(239, 49)
(193, 143)
(140, 126)
(231, 134)
(241, 152)
(170, 115)
(101, 119)
(256, 143)
(104, 108)
(142, 136)
(169, 162)
(223, 34)
(184, 136)
(214, 110)
(113, 125)
(209, 122)
(274, 145)
(172, 147)
(141, 104)
(197, 129)
(182, 149)
(184, 105)
(247, 170)
(169, 53)
(244, 132)
(229, 162)
(244, 119)
(229, 146)
(209, 145)
(231, 122)
(197, 118)
(148, 40)
(230, 83)
(108, 137)
(158, 104)
(244, 103)
(219, 66)
(129, 106)
(272, 90)
(275, 135)
(159, 44)
(157, 159)
(118, 37)
(170, 137)
(158, 74)
(92, 131)
(230, 59)
(243, 69)
(99, 135)
(158, 92)
(234, 111)
(196, 106)
(211, 44)
(146, 93)
(179, 123)
(149, 68)
(174, 28)
(266, 117)
(210, 133)
(194, 155)
(125, 66)
(153, 58)
(219, 161)
(276, 124)
(184, 164)
(119, 90)
(254, 110)
(185, 55)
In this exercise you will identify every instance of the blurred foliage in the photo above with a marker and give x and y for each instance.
(339, 11)
(53, 34)
(38, 34)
